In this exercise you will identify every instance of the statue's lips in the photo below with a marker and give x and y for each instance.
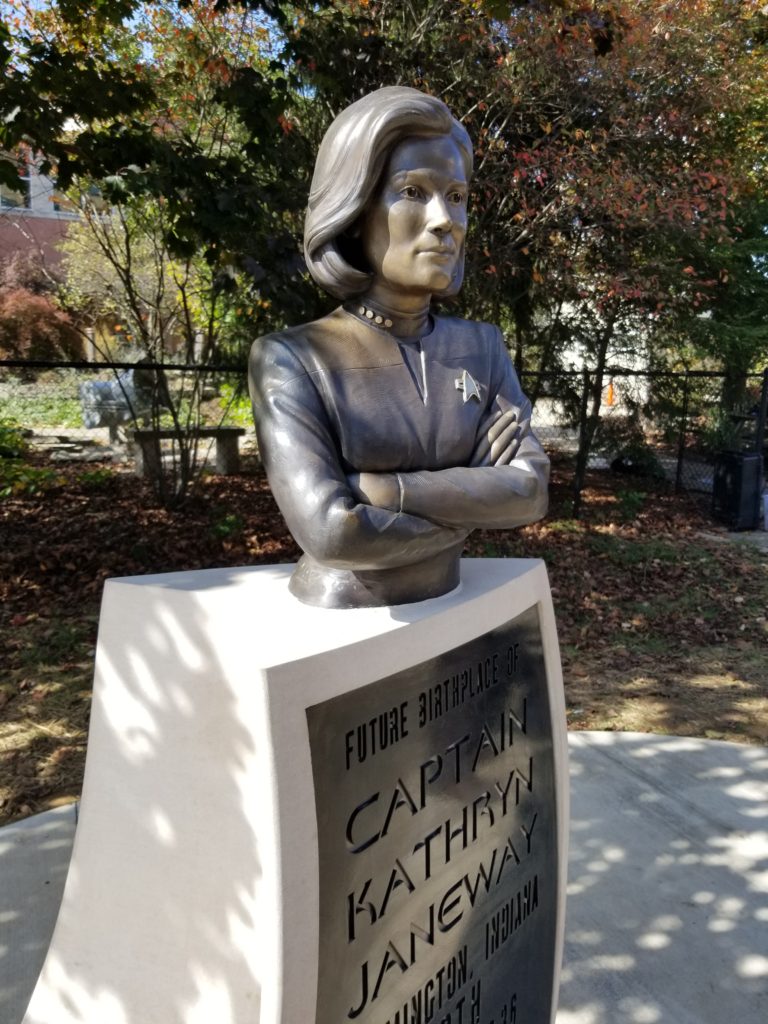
(441, 253)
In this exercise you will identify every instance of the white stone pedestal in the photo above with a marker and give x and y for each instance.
(193, 895)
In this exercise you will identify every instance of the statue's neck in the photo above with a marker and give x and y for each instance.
(407, 318)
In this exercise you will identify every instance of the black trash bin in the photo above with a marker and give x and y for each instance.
(737, 490)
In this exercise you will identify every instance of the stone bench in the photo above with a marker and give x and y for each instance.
(227, 450)
(130, 397)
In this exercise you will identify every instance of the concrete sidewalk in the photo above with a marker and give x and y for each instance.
(668, 896)
(34, 857)
(753, 538)
(667, 919)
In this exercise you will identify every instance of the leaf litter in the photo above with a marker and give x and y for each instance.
(663, 627)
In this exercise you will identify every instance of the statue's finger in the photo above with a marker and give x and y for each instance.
(504, 440)
(482, 448)
(508, 454)
(500, 424)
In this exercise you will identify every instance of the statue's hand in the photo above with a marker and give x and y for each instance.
(381, 490)
(498, 446)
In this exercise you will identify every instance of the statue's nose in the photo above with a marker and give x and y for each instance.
(438, 215)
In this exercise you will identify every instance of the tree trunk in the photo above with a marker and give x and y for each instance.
(519, 343)
(589, 413)
(734, 391)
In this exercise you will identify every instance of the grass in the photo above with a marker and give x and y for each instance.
(683, 650)
(44, 402)
(46, 694)
(628, 553)
(52, 401)
(227, 524)
(662, 629)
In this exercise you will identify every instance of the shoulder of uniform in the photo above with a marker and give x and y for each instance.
(470, 326)
(282, 356)
(474, 334)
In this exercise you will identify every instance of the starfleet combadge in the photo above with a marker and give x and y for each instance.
(467, 383)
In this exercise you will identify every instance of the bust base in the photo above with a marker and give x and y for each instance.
(197, 877)
(323, 586)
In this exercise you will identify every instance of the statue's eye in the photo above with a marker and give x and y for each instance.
(410, 192)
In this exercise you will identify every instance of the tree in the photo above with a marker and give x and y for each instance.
(597, 126)
(616, 143)
(187, 106)
(189, 232)
(118, 269)
(130, 258)
(607, 150)
(731, 330)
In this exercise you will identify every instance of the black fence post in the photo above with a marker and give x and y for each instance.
(760, 432)
(683, 432)
(581, 454)
(762, 415)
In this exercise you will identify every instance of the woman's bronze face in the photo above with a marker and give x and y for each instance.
(413, 232)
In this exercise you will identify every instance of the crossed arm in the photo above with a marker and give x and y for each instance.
(505, 484)
(384, 520)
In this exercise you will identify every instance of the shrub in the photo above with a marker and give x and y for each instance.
(236, 405)
(27, 270)
(13, 443)
(623, 440)
(97, 479)
(32, 327)
(18, 478)
(719, 431)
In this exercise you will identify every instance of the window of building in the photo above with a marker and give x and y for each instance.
(62, 202)
(16, 198)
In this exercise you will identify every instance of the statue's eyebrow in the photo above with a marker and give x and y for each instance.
(420, 174)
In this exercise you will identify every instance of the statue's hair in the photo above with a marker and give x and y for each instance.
(349, 166)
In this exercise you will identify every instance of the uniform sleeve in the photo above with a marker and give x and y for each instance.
(301, 458)
(487, 495)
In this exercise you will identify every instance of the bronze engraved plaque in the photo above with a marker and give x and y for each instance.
(437, 833)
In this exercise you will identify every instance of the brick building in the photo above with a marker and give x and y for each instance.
(33, 216)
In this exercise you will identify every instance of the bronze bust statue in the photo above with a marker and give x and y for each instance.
(389, 432)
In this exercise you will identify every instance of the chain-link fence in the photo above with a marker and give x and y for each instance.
(670, 425)
(667, 425)
(96, 407)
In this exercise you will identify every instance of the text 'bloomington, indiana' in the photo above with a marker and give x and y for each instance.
(504, 841)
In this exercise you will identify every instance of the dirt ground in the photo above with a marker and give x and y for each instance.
(662, 622)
